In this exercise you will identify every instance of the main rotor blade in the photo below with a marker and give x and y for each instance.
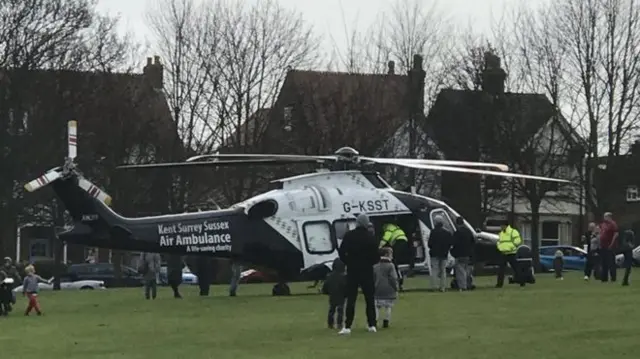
(261, 156)
(415, 161)
(482, 172)
(220, 163)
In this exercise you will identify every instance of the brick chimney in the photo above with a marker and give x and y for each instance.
(493, 76)
(391, 68)
(416, 85)
(154, 72)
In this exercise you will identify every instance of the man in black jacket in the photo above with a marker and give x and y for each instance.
(359, 252)
(440, 241)
(462, 250)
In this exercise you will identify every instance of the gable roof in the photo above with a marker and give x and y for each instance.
(342, 108)
(480, 114)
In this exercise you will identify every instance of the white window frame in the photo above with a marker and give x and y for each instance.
(632, 194)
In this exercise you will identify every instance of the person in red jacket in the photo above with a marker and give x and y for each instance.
(608, 239)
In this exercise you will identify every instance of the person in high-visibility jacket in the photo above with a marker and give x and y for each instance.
(393, 236)
(508, 242)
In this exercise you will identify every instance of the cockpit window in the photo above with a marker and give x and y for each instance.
(375, 180)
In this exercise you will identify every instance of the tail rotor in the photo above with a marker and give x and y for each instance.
(58, 172)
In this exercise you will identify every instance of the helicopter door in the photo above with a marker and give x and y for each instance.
(319, 244)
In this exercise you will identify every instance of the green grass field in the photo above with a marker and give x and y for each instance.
(552, 319)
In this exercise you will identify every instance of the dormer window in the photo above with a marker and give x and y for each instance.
(632, 194)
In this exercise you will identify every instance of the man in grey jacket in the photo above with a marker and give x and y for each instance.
(150, 268)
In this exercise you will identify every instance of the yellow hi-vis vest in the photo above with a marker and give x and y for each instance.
(509, 240)
(391, 234)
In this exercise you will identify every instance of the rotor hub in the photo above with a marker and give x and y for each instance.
(348, 154)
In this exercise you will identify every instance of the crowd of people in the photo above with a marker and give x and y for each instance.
(363, 265)
(602, 242)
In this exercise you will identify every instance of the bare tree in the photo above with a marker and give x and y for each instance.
(188, 37)
(603, 42)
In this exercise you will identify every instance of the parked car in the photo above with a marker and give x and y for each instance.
(574, 258)
(187, 276)
(68, 284)
(104, 272)
(255, 276)
(636, 258)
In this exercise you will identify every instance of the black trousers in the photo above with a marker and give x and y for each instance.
(360, 279)
(511, 260)
(628, 263)
(591, 267)
(5, 308)
(608, 259)
(174, 286)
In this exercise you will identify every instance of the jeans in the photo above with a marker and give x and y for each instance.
(150, 288)
(438, 273)
(339, 318)
(462, 272)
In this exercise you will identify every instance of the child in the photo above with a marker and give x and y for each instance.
(386, 282)
(30, 289)
(6, 296)
(558, 264)
(335, 285)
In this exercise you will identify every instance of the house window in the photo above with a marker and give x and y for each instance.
(551, 231)
(39, 248)
(632, 194)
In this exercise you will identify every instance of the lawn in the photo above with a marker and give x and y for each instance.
(552, 319)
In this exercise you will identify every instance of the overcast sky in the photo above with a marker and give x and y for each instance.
(327, 15)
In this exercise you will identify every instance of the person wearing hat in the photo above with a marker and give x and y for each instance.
(508, 241)
(9, 270)
(359, 252)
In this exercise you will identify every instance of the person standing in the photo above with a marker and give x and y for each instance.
(608, 239)
(463, 242)
(150, 269)
(236, 273)
(386, 284)
(508, 241)
(359, 252)
(394, 237)
(174, 273)
(628, 241)
(440, 241)
(592, 240)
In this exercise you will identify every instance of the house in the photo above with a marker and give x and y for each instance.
(317, 112)
(617, 181)
(522, 130)
(122, 117)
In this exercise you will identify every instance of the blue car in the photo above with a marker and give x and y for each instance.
(574, 258)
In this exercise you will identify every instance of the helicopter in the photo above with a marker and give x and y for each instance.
(294, 229)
